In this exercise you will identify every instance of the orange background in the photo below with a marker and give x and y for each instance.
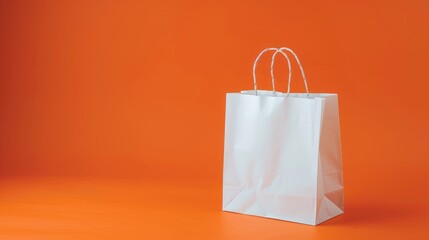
(131, 95)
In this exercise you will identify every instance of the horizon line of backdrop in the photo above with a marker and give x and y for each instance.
(137, 88)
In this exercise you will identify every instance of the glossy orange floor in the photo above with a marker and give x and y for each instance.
(130, 209)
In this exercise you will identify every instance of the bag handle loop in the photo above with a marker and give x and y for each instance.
(272, 65)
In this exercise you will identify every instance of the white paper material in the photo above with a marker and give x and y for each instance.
(282, 156)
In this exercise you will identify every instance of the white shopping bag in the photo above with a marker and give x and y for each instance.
(282, 156)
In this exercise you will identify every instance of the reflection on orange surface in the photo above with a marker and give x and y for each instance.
(136, 90)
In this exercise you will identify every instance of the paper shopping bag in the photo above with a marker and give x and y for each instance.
(282, 153)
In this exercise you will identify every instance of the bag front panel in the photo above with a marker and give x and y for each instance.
(271, 149)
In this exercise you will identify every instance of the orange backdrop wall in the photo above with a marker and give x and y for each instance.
(137, 88)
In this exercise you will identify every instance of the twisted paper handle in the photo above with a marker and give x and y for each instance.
(272, 70)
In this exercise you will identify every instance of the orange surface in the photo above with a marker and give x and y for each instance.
(124, 209)
(112, 114)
